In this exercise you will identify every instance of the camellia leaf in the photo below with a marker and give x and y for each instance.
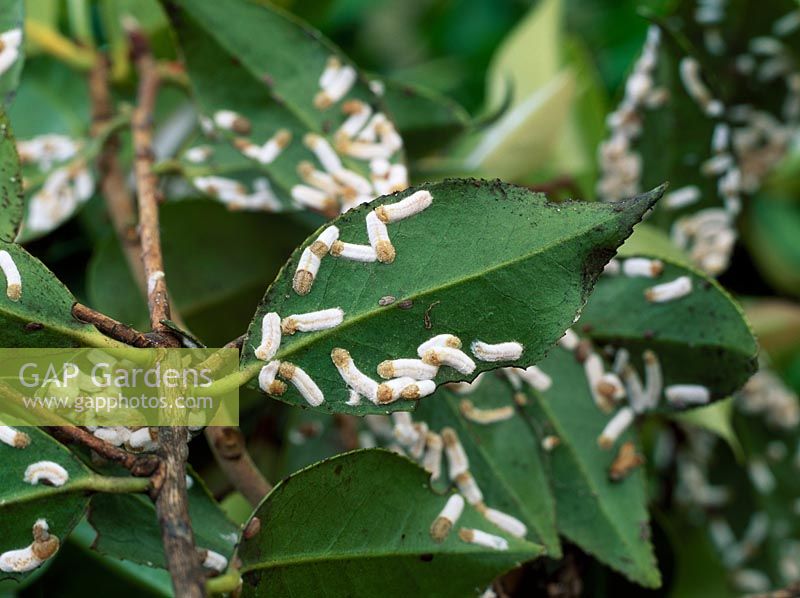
(485, 261)
(40, 313)
(373, 538)
(266, 67)
(503, 457)
(772, 232)
(606, 519)
(539, 35)
(51, 120)
(700, 338)
(12, 202)
(11, 21)
(127, 526)
(22, 503)
(526, 135)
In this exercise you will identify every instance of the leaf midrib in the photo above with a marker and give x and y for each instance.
(505, 483)
(542, 400)
(537, 549)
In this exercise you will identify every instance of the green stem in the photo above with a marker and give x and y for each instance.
(224, 584)
(114, 485)
(233, 381)
(55, 44)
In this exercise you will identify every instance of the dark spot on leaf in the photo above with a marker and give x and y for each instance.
(426, 558)
(32, 326)
(337, 470)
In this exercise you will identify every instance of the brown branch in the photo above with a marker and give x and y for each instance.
(169, 484)
(119, 200)
(147, 190)
(139, 465)
(114, 329)
(228, 445)
(230, 451)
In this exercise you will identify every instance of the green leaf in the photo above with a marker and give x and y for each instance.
(52, 101)
(22, 503)
(11, 18)
(531, 130)
(525, 136)
(651, 241)
(205, 278)
(127, 526)
(146, 580)
(265, 65)
(701, 338)
(42, 316)
(511, 266)
(12, 203)
(606, 519)
(504, 458)
(772, 231)
(358, 524)
(717, 419)
(538, 35)
(427, 120)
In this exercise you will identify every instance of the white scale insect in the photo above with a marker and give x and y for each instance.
(267, 381)
(270, 336)
(335, 83)
(405, 208)
(469, 488)
(232, 121)
(143, 439)
(379, 238)
(669, 291)
(447, 518)
(411, 368)
(614, 429)
(353, 377)
(536, 378)
(687, 394)
(432, 460)
(13, 437)
(444, 349)
(13, 279)
(312, 321)
(307, 268)
(507, 351)
(690, 76)
(681, 198)
(46, 471)
(10, 42)
(302, 382)
(326, 155)
(313, 198)
(481, 538)
(457, 462)
(504, 521)
(269, 152)
(43, 547)
(214, 561)
(639, 266)
(485, 416)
